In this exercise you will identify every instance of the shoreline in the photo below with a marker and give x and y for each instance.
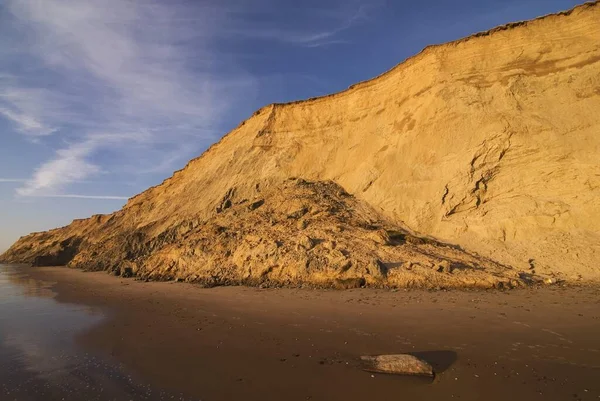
(336, 285)
(272, 344)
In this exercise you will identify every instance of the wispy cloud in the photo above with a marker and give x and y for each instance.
(76, 196)
(125, 77)
(334, 20)
(70, 165)
(12, 180)
(26, 123)
(26, 108)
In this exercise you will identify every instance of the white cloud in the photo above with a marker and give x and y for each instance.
(27, 108)
(325, 25)
(12, 180)
(314, 27)
(26, 123)
(127, 46)
(69, 166)
(121, 79)
(77, 196)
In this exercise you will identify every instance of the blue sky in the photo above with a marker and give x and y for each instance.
(101, 99)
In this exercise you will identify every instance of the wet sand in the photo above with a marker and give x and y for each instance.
(39, 354)
(235, 343)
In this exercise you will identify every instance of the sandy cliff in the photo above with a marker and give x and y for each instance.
(490, 143)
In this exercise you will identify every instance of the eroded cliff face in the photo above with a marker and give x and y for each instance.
(490, 143)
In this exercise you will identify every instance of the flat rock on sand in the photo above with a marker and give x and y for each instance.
(400, 364)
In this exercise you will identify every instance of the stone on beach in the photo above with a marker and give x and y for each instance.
(399, 364)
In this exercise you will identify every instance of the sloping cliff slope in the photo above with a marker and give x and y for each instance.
(491, 143)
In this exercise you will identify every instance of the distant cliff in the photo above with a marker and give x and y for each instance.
(474, 163)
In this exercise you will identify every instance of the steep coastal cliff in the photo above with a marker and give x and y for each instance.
(474, 163)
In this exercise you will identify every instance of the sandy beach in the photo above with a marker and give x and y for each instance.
(231, 343)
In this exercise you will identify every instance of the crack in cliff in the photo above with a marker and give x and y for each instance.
(445, 194)
(485, 164)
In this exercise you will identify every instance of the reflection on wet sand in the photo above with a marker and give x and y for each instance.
(40, 360)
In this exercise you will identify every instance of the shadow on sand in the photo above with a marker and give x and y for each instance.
(439, 360)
